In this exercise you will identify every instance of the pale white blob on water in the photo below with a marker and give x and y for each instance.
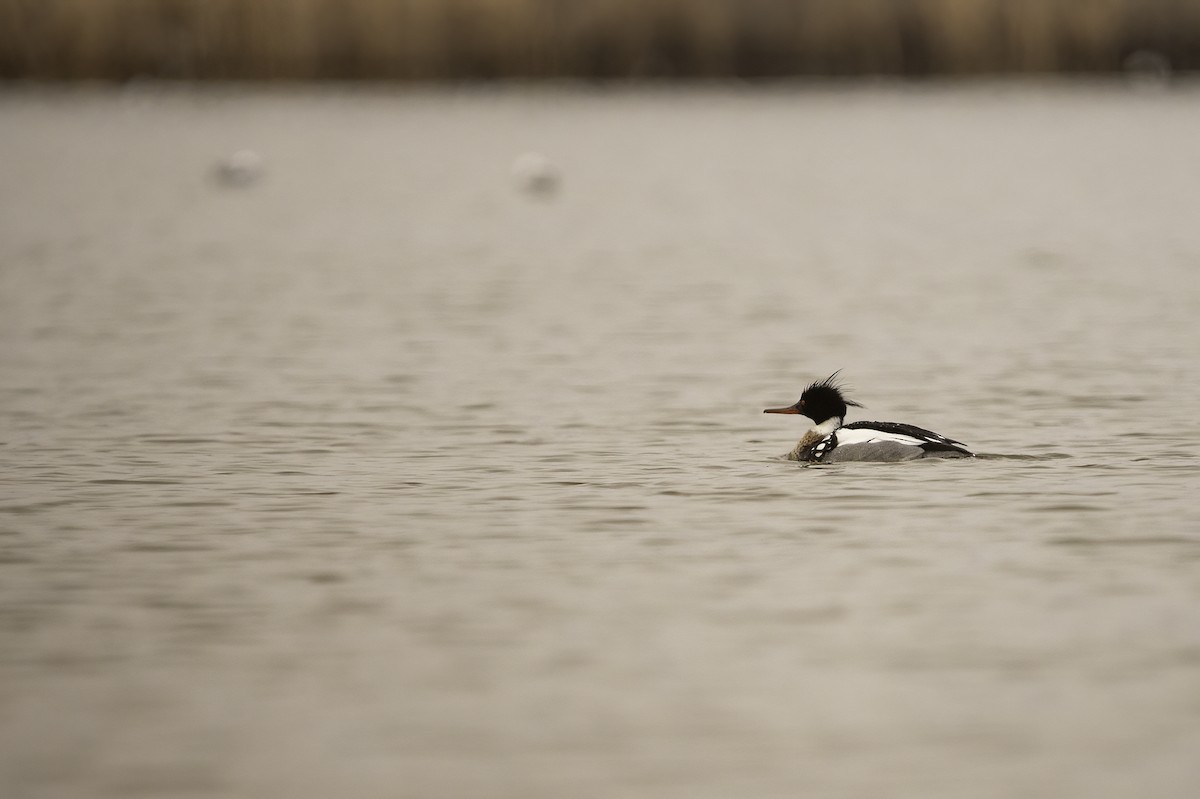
(239, 169)
(534, 174)
(1147, 69)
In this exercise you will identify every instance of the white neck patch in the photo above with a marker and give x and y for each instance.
(826, 427)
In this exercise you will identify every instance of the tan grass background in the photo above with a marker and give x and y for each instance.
(592, 39)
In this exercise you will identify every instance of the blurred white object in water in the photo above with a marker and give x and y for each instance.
(535, 174)
(241, 168)
(1147, 69)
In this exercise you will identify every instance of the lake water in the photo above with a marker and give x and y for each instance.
(381, 477)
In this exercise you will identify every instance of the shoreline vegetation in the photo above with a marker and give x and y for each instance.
(588, 39)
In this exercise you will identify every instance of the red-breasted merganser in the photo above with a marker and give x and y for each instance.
(830, 441)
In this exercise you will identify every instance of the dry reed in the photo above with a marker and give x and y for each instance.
(592, 39)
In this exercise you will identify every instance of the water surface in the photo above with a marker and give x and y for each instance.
(380, 477)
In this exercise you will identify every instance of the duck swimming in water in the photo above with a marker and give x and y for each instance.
(831, 441)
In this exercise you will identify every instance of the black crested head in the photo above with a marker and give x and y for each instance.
(824, 400)
(821, 401)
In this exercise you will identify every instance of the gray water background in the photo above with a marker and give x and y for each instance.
(383, 478)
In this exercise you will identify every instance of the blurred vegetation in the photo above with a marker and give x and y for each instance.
(591, 39)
